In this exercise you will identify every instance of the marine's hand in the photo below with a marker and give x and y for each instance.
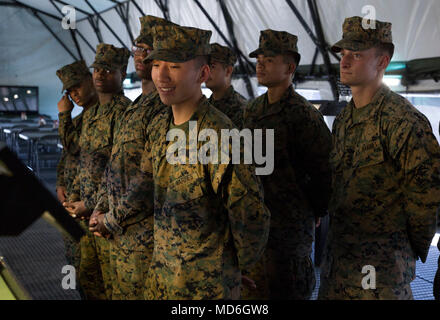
(97, 226)
(61, 194)
(65, 104)
(248, 282)
(77, 209)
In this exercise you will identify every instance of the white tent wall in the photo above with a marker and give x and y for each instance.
(30, 55)
(416, 24)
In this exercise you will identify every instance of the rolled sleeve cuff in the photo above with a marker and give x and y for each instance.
(112, 225)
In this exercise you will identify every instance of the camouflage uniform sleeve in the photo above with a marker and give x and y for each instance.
(313, 144)
(415, 150)
(69, 135)
(75, 193)
(102, 195)
(60, 171)
(132, 202)
(248, 216)
(141, 187)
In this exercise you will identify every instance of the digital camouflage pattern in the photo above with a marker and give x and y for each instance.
(127, 197)
(94, 144)
(209, 220)
(96, 147)
(386, 192)
(174, 43)
(356, 38)
(110, 57)
(222, 54)
(60, 170)
(147, 23)
(69, 162)
(296, 192)
(341, 292)
(67, 171)
(70, 132)
(73, 74)
(273, 43)
(231, 104)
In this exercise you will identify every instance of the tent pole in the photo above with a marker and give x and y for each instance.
(123, 14)
(54, 35)
(72, 32)
(307, 28)
(164, 8)
(324, 51)
(228, 43)
(25, 6)
(137, 7)
(106, 24)
(230, 26)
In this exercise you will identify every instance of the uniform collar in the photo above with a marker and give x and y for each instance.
(372, 110)
(266, 109)
(229, 92)
(198, 115)
(142, 99)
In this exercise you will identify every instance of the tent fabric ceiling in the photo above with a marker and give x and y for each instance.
(30, 54)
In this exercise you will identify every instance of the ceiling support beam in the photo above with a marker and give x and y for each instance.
(106, 24)
(54, 35)
(323, 48)
(230, 26)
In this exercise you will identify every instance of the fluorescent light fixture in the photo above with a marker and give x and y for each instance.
(6, 99)
(396, 66)
(392, 81)
(28, 91)
(15, 96)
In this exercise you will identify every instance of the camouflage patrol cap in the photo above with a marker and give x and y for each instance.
(108, 56)
(72, 74)
(174, 43)
(222, 54)
(273, 43)
(356, 38)
(147, 23)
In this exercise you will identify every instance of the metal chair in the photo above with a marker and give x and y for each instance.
(46, 149)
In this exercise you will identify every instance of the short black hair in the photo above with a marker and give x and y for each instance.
(201, 61)
(290, 58)
(385, 48)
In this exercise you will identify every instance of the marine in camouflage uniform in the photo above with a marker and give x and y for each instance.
(71, 75)
(128, 192)
(95, 144)
(298, 190)
(209, 219)
(231, 102)
(386, 190)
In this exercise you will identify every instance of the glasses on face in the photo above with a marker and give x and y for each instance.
(137, 51)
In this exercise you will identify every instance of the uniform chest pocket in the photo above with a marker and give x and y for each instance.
(99, 135)
(368, 154)
(184, 190)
